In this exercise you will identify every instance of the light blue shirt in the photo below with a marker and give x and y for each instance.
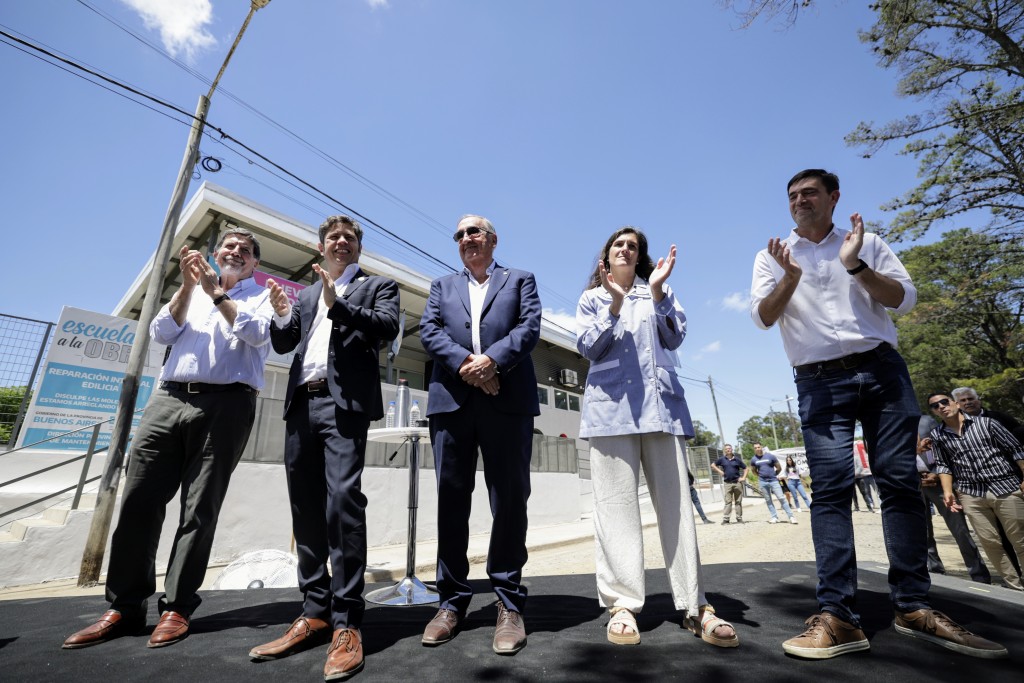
(207, 349)
(632, 386)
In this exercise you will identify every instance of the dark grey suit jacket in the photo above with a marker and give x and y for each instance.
(364, 317)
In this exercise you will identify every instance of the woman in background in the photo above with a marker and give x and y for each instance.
(795, 484)
(634, 413)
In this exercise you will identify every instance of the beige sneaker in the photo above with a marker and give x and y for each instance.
(826, 636)
(934, 626)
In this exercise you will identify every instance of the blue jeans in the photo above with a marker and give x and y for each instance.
(878, 394)
(695, 497)
(768, 487)
(865, 484)
(796, 487)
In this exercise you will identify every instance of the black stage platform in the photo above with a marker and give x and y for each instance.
(766, 602)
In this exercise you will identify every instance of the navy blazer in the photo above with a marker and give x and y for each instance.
(509, 330)
(361, 319)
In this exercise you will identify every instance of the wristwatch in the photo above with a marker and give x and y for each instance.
(221, 299)
(862, 266)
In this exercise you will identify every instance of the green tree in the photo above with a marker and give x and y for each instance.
(703, 436)
(964, 61)
(758, 429)
(10, 404)
(968, 326)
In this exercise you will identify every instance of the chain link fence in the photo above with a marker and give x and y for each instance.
(23, 346)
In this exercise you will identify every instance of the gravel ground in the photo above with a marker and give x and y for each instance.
(753, 541)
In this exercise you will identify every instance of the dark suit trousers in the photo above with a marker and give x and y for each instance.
(189, 440)
(506, 443)
(957, 523)
(325, 449)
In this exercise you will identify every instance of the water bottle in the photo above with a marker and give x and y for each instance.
(414, 414)
(402, 406)
(389, 419)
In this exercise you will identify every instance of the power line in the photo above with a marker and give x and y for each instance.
(424, 217)
(228, 137)
(433, 223)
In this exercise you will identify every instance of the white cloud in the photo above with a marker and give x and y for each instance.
(713, 347)
(181, 23)
(737, 301)
(377, 3)
(566, 320)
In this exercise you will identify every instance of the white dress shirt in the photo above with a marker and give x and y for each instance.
(314, 360)
(830, 315)
(477, 294)
(208, 349)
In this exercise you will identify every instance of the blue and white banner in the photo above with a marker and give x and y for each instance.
(81, 381)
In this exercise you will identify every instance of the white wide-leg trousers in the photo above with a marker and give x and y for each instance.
(615, 463)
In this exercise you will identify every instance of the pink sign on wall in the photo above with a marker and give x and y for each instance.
(291, 289)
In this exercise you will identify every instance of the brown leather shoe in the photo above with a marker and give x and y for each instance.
(441, 628)
(826, 636)
(109, 626)
(934, 626)
(172, 628)
(509, 632)
(305, 632)
(345, 656)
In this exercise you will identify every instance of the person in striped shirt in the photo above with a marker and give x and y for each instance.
(984, 463)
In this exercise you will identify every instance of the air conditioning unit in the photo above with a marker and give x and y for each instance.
(568, 378)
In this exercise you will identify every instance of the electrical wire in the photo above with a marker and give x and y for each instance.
(433, 223)
(224, 136)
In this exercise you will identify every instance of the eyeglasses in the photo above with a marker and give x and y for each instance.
(941, 402)
(471, 231)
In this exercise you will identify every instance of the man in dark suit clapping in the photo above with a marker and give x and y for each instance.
(479, 327)
(333, 394)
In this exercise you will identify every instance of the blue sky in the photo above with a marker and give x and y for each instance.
(560, 120)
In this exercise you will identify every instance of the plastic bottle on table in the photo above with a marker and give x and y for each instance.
(414, 414)
(389, 419)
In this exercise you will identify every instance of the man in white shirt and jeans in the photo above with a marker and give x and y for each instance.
(831, 290)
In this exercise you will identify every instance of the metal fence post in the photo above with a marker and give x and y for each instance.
(85, 467)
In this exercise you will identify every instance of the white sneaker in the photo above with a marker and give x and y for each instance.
(773, 521)
(792, 520)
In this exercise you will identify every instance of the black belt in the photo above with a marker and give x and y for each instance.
(204, 388)
(845, 363)
(317, 387)
(731, 481)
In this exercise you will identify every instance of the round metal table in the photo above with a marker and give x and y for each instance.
(410, 590)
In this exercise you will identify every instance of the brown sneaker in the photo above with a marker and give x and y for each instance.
(305, 632)
(345, 655)
(441, 628)
(934, 626)
(826, 636)
(509, 632)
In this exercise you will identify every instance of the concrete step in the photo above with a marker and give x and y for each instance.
(50, 517)
(21, 526)
(57, 515)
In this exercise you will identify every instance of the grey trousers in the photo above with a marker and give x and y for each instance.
(186, 441)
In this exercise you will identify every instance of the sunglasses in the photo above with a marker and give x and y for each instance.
(940, 403)
(472, 232)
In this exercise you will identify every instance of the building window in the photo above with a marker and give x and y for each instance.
(561, 400)
(574, 402)
(542, 395)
